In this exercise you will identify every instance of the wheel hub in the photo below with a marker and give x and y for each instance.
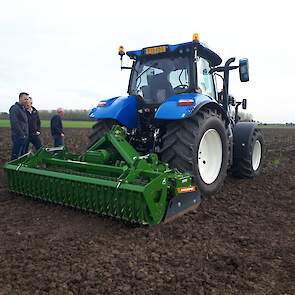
(256, 156)
(210, 156)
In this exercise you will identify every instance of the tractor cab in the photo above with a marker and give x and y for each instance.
(163, 71)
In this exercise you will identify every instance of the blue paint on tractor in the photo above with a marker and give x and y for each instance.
(170, 110)
(122, 108)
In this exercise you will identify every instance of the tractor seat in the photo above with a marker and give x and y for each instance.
(160, 88)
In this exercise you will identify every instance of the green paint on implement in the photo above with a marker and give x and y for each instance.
(111, 179)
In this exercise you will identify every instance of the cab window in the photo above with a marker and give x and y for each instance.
(179, 78)
(205, 80)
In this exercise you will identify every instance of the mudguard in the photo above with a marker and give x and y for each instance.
(170, 110)
(121, 108)
(242, 133)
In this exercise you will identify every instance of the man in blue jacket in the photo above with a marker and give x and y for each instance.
(19, 126)
(57, 131)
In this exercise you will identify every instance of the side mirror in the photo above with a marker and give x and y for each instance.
(231, 100)
(244, 70)
(244, 104)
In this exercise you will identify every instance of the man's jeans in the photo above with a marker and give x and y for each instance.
(58, 140)
(19, 146)
(35, 141)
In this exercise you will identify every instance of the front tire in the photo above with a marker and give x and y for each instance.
(198, 145)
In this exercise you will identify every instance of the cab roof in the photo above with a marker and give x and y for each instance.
(203, 51)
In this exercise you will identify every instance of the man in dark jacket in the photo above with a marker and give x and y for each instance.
(57, 128)
(34, 125)
(19, 126)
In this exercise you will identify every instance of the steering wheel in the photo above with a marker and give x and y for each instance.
(180, 88)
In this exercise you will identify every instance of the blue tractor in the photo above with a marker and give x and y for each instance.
(174, 109)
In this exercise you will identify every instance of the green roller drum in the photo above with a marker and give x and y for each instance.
(110, 179)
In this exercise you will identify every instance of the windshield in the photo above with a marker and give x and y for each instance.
(157, 79)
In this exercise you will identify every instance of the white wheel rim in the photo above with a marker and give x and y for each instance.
(210, 156)
(256, 156)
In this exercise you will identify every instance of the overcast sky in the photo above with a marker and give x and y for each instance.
(64, 53)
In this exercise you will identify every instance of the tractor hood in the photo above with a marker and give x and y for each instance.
(124, 109)
(121, 108)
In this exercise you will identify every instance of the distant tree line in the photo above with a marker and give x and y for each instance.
(70, 115)
(246, 117)
(4, 116)
(82, 115)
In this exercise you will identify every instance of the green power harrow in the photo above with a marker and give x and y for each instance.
(110, 178)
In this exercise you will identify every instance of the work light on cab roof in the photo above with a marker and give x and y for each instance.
(121, 51)
(196, 37)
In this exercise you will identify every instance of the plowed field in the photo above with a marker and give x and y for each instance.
(241, 241)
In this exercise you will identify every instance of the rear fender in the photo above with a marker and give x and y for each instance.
(122, 108)
(170, 110)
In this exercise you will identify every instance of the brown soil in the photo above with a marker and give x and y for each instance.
(241, 241)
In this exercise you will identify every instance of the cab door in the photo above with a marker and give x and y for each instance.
(205, 79)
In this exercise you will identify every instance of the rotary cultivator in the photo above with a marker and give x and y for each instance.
(110, 178)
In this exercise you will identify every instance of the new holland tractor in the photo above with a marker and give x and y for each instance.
(174, 110)
(156, 151)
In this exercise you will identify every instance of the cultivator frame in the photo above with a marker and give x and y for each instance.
(110, 178)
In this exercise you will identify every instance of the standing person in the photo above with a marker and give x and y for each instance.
(19, 126)
(57, 128)
(34, 125)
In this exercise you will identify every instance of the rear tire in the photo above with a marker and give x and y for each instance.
(198, 145)
(99, 129)
(250, 165)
